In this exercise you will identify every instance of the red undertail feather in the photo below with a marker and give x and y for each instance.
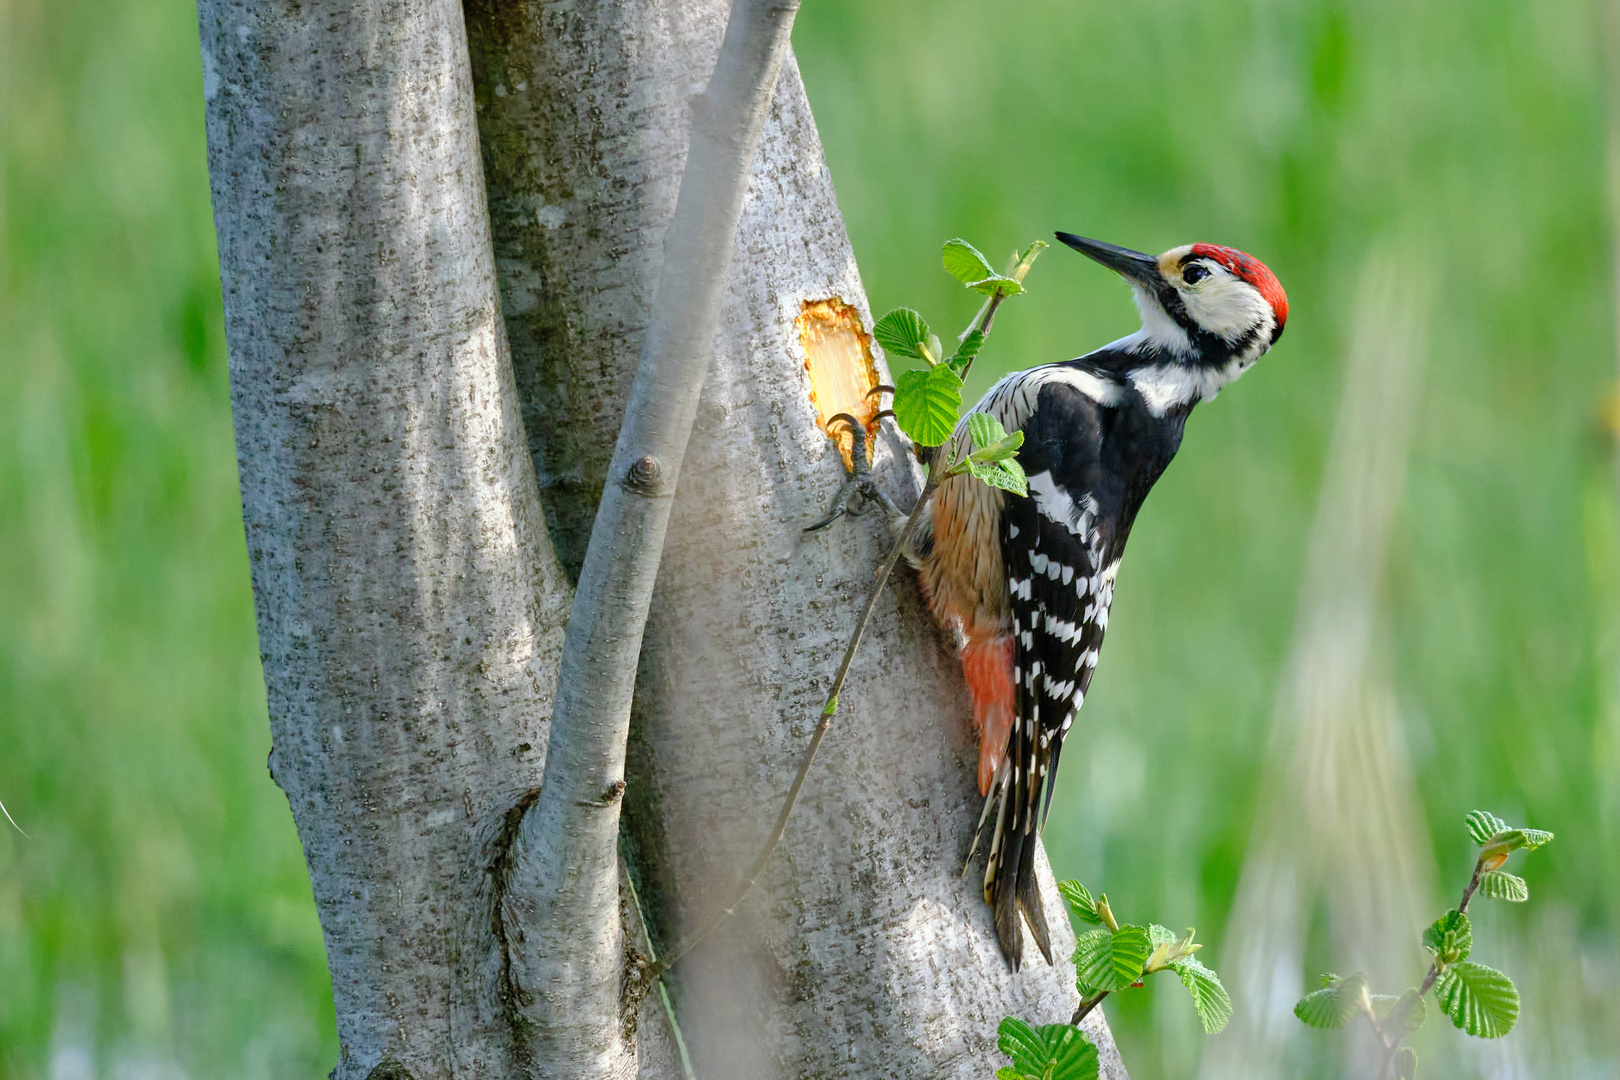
(988, 664)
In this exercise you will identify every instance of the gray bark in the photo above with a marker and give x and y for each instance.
(409, 606)
(862, 951)
(565, 870)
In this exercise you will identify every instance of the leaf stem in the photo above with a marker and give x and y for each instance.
(1393, 1046)
(1086, 1005)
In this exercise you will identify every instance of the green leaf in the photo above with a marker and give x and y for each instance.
(1480, 1000)
(926, 403)
(1110, 960)
(902, 332)
(1080, 902)
(1483, 826)
(1160, 935)
(1007, 475)
(1007, 1072)
(965, 263)
(1528, 839)
(1405, 1063)
(1450, 938)
(996, 283)
(966, 351)
(1332, 1006)
(1210, 999)
(1050, 1052)
(990, 441)
(984, 430)
(1501, 885)
(1408, 1011)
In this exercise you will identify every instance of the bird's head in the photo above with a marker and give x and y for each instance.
(1208, 313)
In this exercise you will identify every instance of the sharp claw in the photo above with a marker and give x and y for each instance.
(859, 482)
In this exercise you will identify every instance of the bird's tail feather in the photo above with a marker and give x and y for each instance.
(1010, 885)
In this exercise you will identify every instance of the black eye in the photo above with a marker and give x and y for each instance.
(1193, 274)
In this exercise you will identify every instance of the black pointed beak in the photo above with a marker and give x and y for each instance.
(1130, 264)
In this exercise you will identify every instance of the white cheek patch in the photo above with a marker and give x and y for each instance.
(1229, 307)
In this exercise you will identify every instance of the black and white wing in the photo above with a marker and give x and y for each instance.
(1053, 550)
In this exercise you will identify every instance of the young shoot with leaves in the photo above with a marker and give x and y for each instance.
(1479, 1000)
(1111, 958)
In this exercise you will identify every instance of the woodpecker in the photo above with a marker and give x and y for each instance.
(1024, 583)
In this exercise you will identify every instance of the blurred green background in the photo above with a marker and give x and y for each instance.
(158, 924)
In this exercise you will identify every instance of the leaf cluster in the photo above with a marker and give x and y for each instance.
(1478, 1000)
(1049, 1052)
(928, 400)
(1114, 956)
(1118, 956)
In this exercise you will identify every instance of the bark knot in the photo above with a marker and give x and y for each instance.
(609, 797)
(646, 477)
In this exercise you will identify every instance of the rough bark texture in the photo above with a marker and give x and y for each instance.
(409, 606)
(863, 951)
(565, 869)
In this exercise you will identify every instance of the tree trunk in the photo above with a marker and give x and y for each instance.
(409, 604)
(863, 950)
(409, 607)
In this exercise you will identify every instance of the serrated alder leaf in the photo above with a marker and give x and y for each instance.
(965, 263)
(1480, 1000)
(996, 283)
(990, 441)
(1050, 1052)
(983, 429)
(1081, 905)
(1007, 475)
(1210, 999)
(966, 351)
(1007, 1072)
(1450, 937)
(1483, 826)
(1405, 1063)
(926, 403)
(1110, 960)
(1501, 885)
(1528, 839)
(1408, 1011)
(902, 332)
(1332, 1006)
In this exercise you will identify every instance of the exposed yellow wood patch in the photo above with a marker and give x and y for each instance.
(838, 356)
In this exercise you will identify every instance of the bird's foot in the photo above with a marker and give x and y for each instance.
(859, 491)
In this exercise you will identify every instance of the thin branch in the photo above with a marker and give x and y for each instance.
(567, 874)
(1392, 1046)
(1086, 1005)
(938, 465)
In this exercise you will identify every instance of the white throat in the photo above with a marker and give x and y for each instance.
(1166, 386)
